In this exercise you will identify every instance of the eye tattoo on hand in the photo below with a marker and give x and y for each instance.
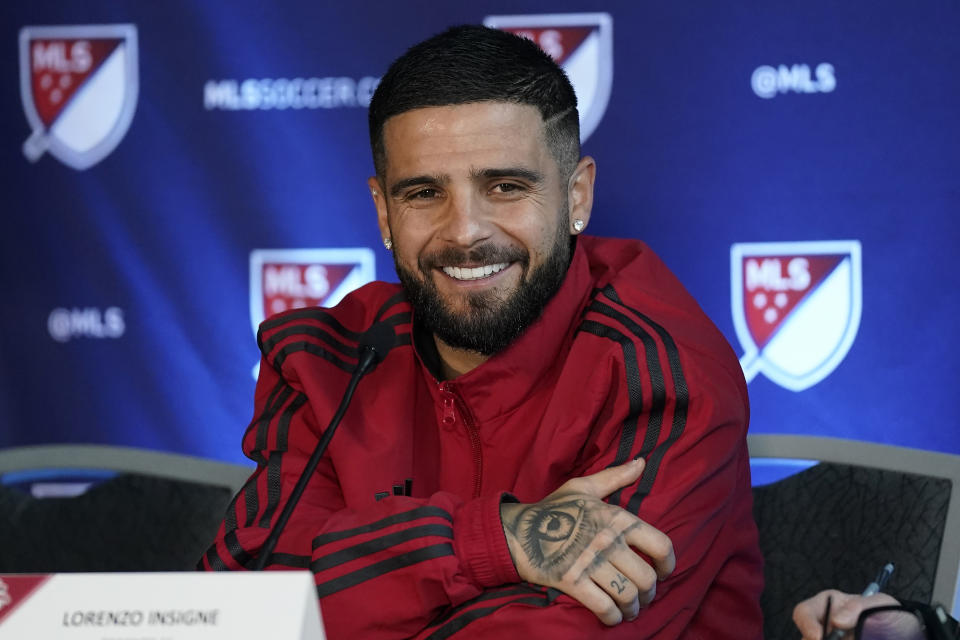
(552, 536)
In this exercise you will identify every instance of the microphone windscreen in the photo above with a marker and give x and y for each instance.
(380, 338)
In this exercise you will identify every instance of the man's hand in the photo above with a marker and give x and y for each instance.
(845, 608)
(576, 543)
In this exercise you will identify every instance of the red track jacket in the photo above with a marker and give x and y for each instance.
(623, 363)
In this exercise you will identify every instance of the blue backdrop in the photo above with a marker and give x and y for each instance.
(130, 286)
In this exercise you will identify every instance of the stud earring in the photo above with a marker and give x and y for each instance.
(388, 243)
(578, 225)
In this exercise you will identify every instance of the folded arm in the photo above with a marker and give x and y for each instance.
(384, 571)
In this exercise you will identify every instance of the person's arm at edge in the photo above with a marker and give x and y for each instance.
(845, 609)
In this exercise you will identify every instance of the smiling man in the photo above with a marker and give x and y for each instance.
(476, 210)
(555, 444)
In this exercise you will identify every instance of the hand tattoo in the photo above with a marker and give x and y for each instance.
(554, 535)
(619, 584)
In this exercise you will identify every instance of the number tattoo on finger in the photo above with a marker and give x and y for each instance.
(619, 584)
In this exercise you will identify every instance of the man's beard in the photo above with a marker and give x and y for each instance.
(491, 321)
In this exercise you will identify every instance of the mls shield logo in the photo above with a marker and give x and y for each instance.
(79, 86)
(582, 43)
(796, 308)
(282, 279)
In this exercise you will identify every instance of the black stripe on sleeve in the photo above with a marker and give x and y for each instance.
(274, 463)
(268, 407)
(310, 313)
(320, 352)
(237, 552)
(458, 623)
(658, 392)
(386, 566)
(405, 516)
(657, 384)
(289, 560)
(273, 488)
(230, 517)
(251, 499)
(269, 404)
(326, 337)
(274, 476)
(283, 427)
(311, 331)
(267, 345)
(522, 589)
(395, 299)
(250, 495)
(679, 411)
(314, 350)
(379, 544)
(263, 424)
(325, 345)
(214, 560)
(634, 388)
(274, 402)
(397, 319)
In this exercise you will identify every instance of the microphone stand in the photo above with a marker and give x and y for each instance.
(368, 355)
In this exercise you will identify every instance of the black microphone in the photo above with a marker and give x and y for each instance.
(375, 342)
(373, 346)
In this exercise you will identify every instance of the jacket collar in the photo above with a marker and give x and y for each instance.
(504, 381)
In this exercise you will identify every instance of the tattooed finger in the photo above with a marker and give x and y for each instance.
(620, 589)
(639, 573)
(655, 545)
(619, 583)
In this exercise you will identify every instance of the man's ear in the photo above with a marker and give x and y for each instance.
(580, 194)
(380, 202)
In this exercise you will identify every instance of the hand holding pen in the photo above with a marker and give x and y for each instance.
(883, 577)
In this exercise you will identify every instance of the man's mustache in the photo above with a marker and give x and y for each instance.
(483, 254)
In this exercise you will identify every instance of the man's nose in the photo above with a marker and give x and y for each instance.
(465, 221)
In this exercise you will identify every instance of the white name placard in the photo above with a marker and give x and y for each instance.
(275, 605)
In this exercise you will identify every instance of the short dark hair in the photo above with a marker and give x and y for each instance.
(468, 64)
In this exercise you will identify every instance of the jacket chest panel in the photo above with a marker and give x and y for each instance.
(426, 437)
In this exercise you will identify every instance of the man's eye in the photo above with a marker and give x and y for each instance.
(423, 194)
(506, 187)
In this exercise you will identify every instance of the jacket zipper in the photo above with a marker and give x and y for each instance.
(472, 432)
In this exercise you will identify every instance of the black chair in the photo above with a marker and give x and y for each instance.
(153, 512)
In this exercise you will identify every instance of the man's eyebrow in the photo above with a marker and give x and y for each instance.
(397, 188)
(510, 172)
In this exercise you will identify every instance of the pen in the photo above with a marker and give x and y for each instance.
(878, 583)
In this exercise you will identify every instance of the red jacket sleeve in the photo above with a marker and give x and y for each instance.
(382, 572)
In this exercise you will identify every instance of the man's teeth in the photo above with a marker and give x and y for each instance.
(475, 273)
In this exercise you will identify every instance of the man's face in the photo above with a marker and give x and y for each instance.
(477, 212)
